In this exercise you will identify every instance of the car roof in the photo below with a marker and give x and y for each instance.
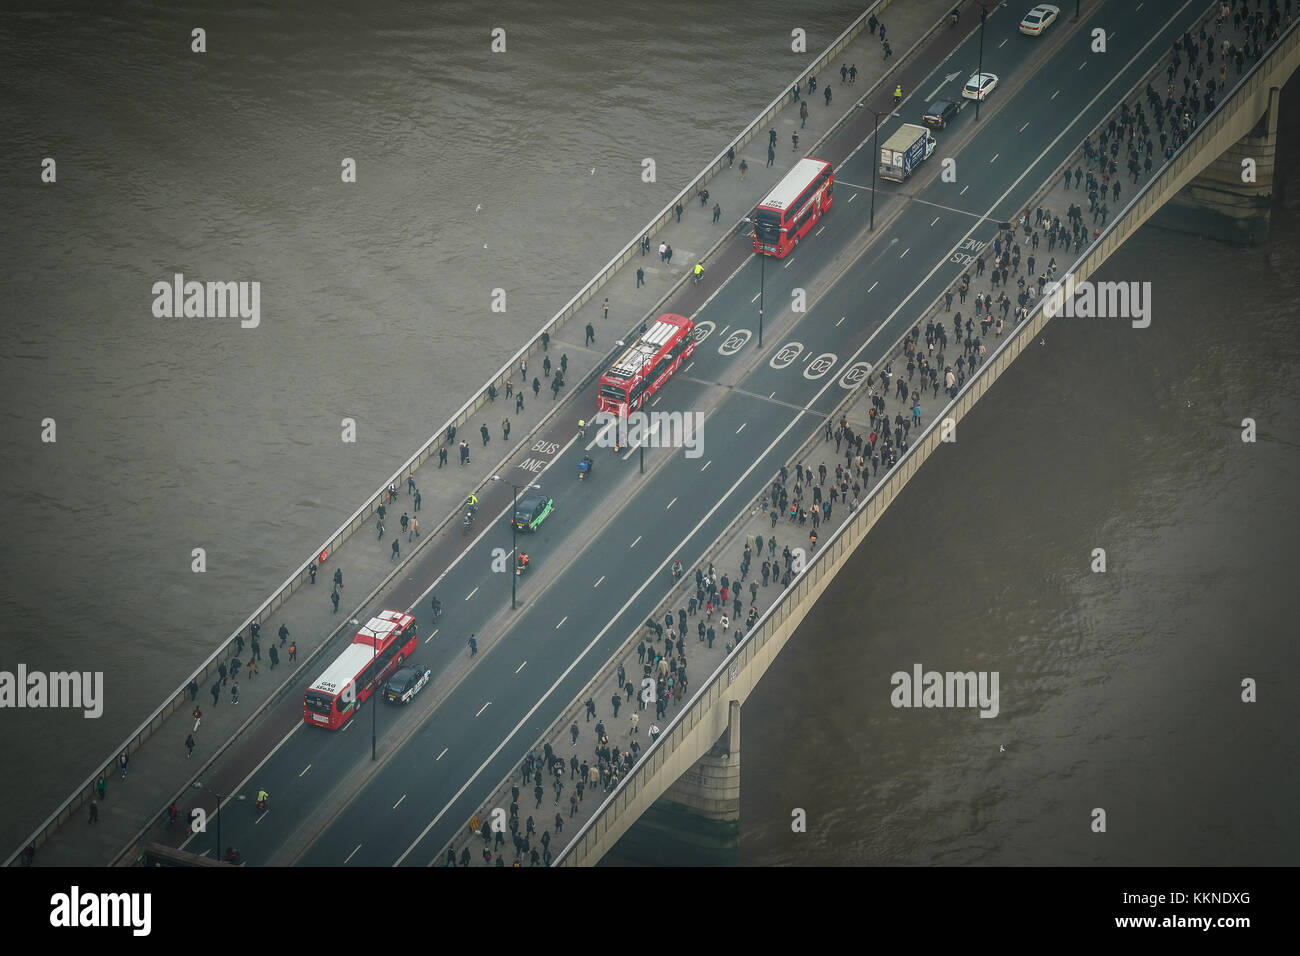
(976, 76)
(532, 500)
(403, 673)
(938, 106)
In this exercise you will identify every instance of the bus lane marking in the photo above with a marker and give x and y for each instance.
(671, 503)
(562, 620)
(598, 580)
(441, 755)
(399, 801)
(521, 667)
(353, 853)
(304, 771)
(483, 708)
(634, 543)
(471, 594)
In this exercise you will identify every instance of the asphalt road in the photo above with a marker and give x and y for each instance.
(599, 562)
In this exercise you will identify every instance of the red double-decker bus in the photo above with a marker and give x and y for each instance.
(378, 648)
(646, 365)
(793, 207)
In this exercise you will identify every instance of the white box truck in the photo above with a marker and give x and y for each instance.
(908, 148)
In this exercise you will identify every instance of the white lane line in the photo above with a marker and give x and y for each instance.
(483, 708)
(873, 285)
(820, 231)
(963, 189)
(773, 395)
(471, 594)
(399, 802)
(936, 219)
(431, 636)
(598, 580)
(353, 853)
(654, 575)
(1083, 64)
(853, 197)
(755, 299)
(689, 367)
(789, 261)
(741, 428)
(671, 503)
(706, 464)
(1002, 44)
(723, 331)
(441, 755)
(521, 667)
(635, 543)
(906, 251)
(659, 398)
(1055, 95)
(653, 429)
(562, 620)
(995, 158)
(841, 321)
(304, 771)
(1022, 129)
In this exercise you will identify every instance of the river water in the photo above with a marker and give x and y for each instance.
(1119, 690)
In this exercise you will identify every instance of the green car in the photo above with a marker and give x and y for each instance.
(532, 510)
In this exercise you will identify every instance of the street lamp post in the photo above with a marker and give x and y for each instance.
(875, 163)
(514, 529)
(219, 797)
(979, 92)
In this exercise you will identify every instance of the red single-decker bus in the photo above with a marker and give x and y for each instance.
(646, 365)
(378, 648)
(793, 207)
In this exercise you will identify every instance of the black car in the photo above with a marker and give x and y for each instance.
(532, 510)
(405, 683)
(940, 113)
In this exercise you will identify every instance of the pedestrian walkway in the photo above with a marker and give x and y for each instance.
(161, 768)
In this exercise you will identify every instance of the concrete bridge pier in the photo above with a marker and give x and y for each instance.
(697, 820)
(1217, 204)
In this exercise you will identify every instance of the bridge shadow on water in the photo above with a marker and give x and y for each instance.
(669, 834)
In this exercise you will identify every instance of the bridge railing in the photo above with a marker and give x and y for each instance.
(1182, 167)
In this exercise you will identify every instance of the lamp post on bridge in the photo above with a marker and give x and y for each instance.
(219, 797)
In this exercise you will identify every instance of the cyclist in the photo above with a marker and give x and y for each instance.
(436, 606)
(262, 797)
(582, 428)
(898, 94)
(955, 15)
(523, 560)
(472, 503)
(699, 271)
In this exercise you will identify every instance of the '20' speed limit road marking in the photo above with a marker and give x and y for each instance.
(786, 355)
(820, 366)
(855, 375)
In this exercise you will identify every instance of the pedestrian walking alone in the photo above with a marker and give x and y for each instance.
(189, 745)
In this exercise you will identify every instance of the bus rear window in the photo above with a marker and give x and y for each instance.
(768, 225)
(614, 392)
(319, 703)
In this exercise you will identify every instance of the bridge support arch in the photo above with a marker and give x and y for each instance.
(697, 819)
(1217, 204)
